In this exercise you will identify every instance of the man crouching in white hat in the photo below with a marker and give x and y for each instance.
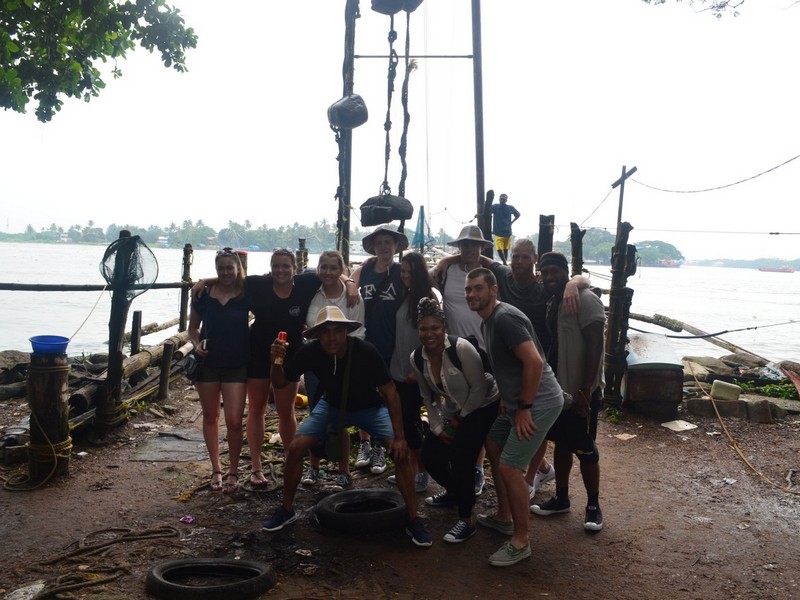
(357, 382)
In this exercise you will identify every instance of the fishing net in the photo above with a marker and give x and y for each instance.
(129, 266)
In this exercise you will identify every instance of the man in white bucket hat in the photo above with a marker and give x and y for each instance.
(357, 382)
(450, 274)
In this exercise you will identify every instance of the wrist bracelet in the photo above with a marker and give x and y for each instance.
(523, 406)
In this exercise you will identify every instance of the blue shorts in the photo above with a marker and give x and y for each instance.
(376, 421)
(518, 452)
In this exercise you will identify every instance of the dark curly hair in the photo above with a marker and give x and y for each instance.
(429, 307)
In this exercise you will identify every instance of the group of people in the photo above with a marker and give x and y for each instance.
(490, 350)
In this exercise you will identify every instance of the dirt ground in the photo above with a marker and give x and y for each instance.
(685, 517)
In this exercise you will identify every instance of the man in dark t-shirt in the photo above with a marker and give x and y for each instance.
(356, 382)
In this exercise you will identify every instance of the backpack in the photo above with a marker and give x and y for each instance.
(453, 355)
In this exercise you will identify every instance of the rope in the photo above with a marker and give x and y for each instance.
(735, 444)
(96, 302)
(719, 333)
(60, 450)
(387, 125)
(719, 187)
(410, 66)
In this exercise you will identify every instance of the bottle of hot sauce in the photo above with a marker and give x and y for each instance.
(282, 338)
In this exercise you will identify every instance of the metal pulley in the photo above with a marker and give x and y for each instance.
(392, 7)
(385, 209)
(348, 112)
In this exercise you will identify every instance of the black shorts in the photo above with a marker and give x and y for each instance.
(206, 374)
(578, 431)
(410, 404)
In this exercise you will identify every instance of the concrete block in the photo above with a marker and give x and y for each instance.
(727, 408)
(759, 411)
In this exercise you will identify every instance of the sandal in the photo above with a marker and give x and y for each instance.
(216, 485)
(257, 479)
(229, 488)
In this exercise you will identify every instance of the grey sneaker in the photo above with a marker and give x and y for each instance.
(341, 482)
(492, 522)
(460, 532)
(378, 460)
(364, 457)
(421, 481)
(480, 480)
(310, 477)
(509, 555)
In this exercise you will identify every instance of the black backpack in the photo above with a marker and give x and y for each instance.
(453, 355)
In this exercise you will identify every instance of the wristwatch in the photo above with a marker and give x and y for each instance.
(522, 406)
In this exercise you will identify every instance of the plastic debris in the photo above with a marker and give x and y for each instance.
(625, 436)
(188, 519)
(679, 425)
(729, 480)
(303, 552)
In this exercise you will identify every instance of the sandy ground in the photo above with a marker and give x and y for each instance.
(685, 517)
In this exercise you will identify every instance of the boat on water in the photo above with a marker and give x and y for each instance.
(668, 263)
(783, 269)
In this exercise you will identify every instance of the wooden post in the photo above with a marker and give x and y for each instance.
(186, 281)
(546, 227)
(136, 332)
(50, 444)
(619, 305)
(108, 411)
(166, 364)
(576, 241)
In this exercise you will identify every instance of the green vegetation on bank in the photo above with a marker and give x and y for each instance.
(597, 243)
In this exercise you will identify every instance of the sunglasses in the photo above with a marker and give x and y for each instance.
(227, 251)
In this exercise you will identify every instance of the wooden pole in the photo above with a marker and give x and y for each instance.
(50, 443)
(576, 242)
(477, 93)
(547, 224)
(620, 299)
(166, 363)
(136, 332)
(186, 280)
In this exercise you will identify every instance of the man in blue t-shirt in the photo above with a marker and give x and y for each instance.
(503, 215)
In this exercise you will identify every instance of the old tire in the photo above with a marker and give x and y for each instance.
(227, 578)
(362, 511)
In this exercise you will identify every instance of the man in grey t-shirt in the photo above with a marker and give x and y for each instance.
(531, 402)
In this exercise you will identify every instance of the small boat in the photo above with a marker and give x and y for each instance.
(783, 269)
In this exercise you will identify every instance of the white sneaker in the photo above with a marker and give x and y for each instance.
(364, 457)
(421, 481)
(480, 480)
(541, 478)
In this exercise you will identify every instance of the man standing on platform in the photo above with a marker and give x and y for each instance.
(503, 216)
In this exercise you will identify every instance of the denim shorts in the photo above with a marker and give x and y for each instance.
(518, 452)
(376, 421)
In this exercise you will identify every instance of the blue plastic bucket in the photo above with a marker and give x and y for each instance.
(49, 344)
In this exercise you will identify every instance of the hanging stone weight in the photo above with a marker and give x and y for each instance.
(348, 113)
(385, 209)
(387, 7)
(392, 7)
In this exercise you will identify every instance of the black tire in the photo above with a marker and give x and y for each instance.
(363, 511)
(248, 579)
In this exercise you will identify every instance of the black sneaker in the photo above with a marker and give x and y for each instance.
(419, 535)
(279, 519)
(552, 507)
(440, 499)
(460, 532)
(593, 521)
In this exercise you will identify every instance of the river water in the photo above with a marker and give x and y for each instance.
(765, 306)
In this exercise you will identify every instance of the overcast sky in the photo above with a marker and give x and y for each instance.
(572, 92)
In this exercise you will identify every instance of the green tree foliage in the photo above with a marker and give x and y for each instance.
(50, 48)
(655, 252)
